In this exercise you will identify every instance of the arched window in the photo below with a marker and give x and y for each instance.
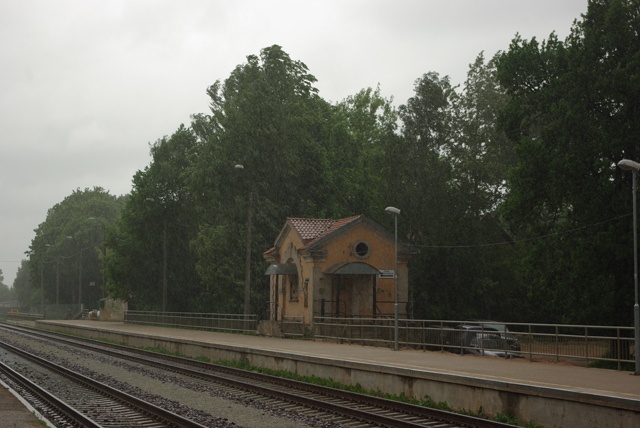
(293, 284)
(293, 287)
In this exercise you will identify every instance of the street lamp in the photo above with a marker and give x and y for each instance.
(40, 257)
(634, 167)
(42, 280)
(165, 254)
(395, 212)
(102, 247)
(247, 268)
(79, 263)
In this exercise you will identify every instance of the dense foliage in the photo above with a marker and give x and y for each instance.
(507, 184)
(65, 255)
(149, 249)
(6, 293)
(573, 113)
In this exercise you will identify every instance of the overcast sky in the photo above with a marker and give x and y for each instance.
(86, 85)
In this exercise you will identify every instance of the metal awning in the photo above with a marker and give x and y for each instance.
(282, 269)
(357, 268)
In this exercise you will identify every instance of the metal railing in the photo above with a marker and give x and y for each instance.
(551, 342)
(583, 344)
(364, 331)
(293, 327)
(19, 316)
(230, 323)
(48, 312)
(339, 309)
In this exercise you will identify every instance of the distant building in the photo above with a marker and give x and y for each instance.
(335, 268)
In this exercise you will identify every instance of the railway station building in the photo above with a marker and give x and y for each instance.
(335, 268)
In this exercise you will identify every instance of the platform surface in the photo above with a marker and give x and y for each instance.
(561, 376)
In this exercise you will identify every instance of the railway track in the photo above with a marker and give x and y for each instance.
(343, 408)
(76, 400)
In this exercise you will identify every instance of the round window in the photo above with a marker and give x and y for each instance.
(362, 249)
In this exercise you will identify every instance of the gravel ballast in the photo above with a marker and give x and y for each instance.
(209, 404)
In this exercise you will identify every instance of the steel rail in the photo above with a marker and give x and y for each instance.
(48, 403)
(152, 411)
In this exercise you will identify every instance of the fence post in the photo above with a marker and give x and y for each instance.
(557, 345)
(586, 343)
(618, 352)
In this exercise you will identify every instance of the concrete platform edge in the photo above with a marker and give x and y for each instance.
(505, 396)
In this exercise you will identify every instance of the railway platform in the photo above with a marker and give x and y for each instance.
(547, 393)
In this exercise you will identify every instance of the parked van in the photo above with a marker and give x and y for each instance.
(483, 340)
(504, 332)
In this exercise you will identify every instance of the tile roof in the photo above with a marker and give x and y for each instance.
(311, 229)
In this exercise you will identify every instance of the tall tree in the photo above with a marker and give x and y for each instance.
(453, 180)
(150, 262)
(268, 118)
(481, 154)
(363, 129)
(65, 253)
(423, 179)
(6, 293)
(573, 113)
(27, 294)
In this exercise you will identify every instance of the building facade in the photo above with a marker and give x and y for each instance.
(335, 268)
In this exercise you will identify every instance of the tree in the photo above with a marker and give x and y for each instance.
(481, 153)
(451, 179)
(150, 263)
(25, 293)
(572, 113)
(481, 156)
(268, 118)
(64, 263)
(423, 179)
(6, 293)
(363, 129)
(270, 148)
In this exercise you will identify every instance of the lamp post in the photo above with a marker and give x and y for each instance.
(79, 263)
(42, 279)
(42, 286)
(80, 278)
(102, 247)
(634, 167)
(57, 277)
(38, 256)
(395, 212)
(247, 267)
(165, 254)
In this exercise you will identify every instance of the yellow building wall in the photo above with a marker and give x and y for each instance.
(288, 306)
(313, 285)
(380, 256)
